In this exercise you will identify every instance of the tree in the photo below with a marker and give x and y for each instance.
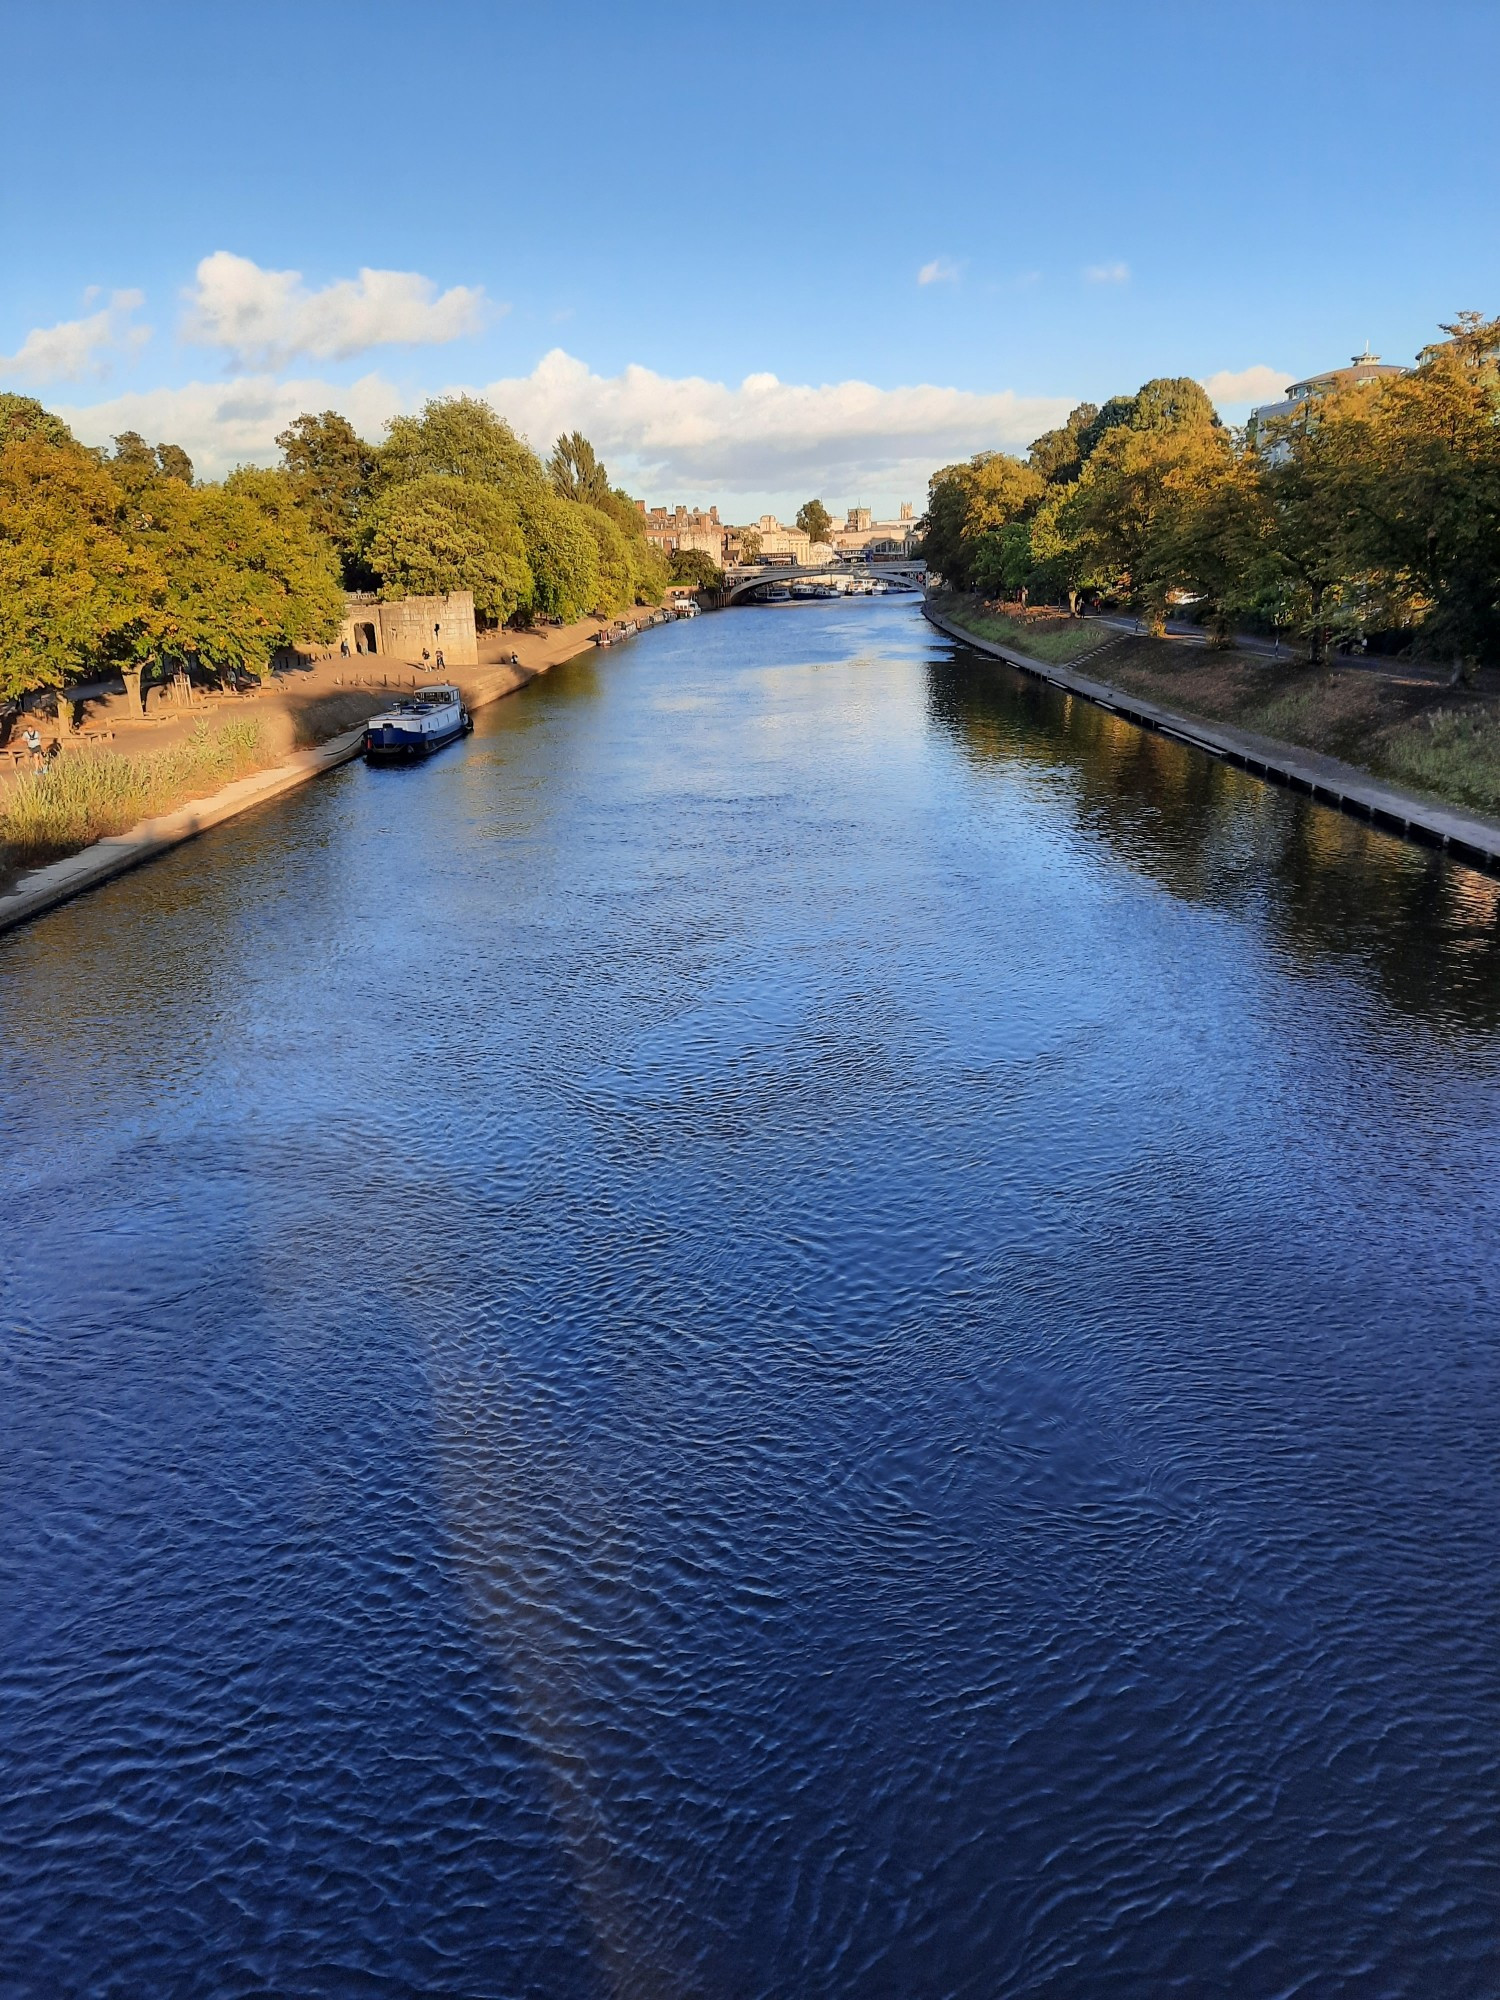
(967, 502)
(697, 567)
(576, 472)
(74, 595)
(749, 541)
(1055, 454)
(562, 551)
(174, 463)
(1003, 561)
(1113, 415)
(815, 521)
(1125, 495)
(24, 417)
(461, 437)
(436, 534)
(244, 571)
(1173, 402)
(137, 465)
(332, 471)
(1212, 535)
(1430, 505)
(1318, 487)
(616, 587)
(134, 464)
(648, 571)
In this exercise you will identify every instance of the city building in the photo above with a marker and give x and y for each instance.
(861, 534)
(686, 528)
(1363, 368)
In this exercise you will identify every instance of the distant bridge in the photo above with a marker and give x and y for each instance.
(742, 580)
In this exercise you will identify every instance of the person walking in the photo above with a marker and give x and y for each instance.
(33, 743)
(440, 659)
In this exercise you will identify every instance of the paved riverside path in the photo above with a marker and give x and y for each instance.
(1467, 836)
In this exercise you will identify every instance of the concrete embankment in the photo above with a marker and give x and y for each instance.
(1467, 836)
(43, 889)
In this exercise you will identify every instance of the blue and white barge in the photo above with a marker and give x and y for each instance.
(418, 723)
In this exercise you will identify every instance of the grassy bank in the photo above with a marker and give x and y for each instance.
(1438, 740)
(87, 795)
(1044, 635)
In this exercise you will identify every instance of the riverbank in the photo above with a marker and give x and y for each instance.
(1403, 726)
(1379, 741)
(308, 720)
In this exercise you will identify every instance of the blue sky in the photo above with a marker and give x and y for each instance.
(756, 255)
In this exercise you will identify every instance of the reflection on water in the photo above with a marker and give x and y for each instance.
(1328, 886)
(805, 1322)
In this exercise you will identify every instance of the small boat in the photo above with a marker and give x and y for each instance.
(419, 723)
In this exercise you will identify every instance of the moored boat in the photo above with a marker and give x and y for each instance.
(419, 723)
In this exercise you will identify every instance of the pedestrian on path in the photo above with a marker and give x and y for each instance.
(33, 743)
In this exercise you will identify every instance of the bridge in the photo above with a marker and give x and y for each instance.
(742, 580)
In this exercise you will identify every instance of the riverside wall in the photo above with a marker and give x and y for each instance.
(1469, 837)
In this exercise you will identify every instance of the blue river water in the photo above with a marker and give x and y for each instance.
(807, 1322)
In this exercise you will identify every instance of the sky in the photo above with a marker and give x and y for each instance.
(755, 255)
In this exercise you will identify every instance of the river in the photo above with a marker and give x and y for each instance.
(807, 1323)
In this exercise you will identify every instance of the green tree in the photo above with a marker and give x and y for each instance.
(1055, 454)
(966, 503)
(1317, 479)
(24, 417)
(815, 521)
(436, 534)
(562, 551)
(244, 571)
(333, 471)
(174, 463)
(462, 438)
(74, 595)
(138, 466)
(1172, 403)
(1212, 533)
(697, 567)
(616, 586)
(133, 462)
(648, 571)
(577, 474)
(1430, 507)
(1116, 414)
(750, 545)
(1125, 496)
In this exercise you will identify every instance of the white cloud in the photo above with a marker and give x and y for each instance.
(941, 271)
(673, 433)
(77, 348)
(224, 424)
(265, 318)
(1108, 274)
(1258, 384)
(664, 436)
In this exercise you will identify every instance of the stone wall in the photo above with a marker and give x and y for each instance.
(399, 630)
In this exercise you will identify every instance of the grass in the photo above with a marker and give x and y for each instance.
(1452, 753)
(1045, 635)
(86, 796)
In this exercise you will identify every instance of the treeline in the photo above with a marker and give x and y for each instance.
(1373, 509)
(112, 560)
(455, 500)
